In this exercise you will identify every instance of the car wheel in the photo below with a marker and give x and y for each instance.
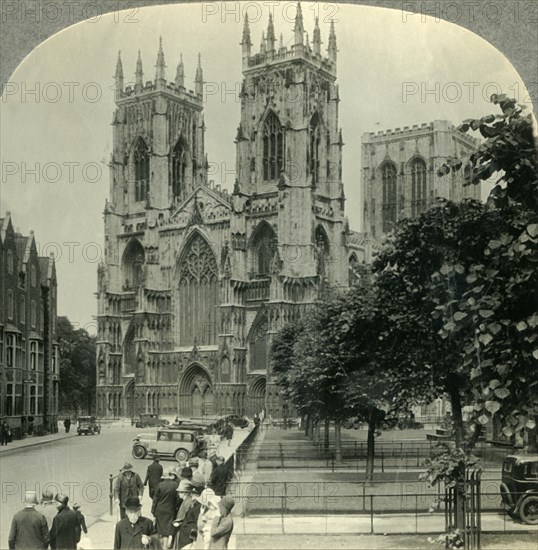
(528, 510)
(181, 455)
(139, 451)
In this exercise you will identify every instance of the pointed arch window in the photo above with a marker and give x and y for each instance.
(314, 152)
(179, 167)
(418, 187)
(273, 146)
(263, 248)
(141, 170)
(388, 177)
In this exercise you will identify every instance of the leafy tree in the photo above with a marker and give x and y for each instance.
(77, 368)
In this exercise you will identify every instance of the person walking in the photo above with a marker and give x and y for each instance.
(5, 433)
(81, 522)
(223, 525)
(205, 466)
(166, 503)
(197, 475)
(208, 512)
(47, 507)
(153, 475)
(134, 531)
(67, 425)
(187, 516)
(29, 527)
(63, 533)
(229, 433)
(219, 477)
(128, 484)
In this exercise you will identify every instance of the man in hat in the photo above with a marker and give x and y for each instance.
(63, 533)
(134, 530)
(205, 466)
(166, 503)
(128, 484)
(187, 516)
(29, 527)
(153, 474)
(197, 476)
(219, 477)
(47, 506)
(223, 524)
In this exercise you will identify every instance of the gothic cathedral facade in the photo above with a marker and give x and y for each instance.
(196, 280)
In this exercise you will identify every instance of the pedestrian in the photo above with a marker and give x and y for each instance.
(47, 507)
(204, 466)
(166, 503)
(81, 522)
(219, 477)
(134, 531)
(223, 525)
(5, 433)
(187, 516)
(229, 433)
(29, 528)
(208, 512)
(128, 484)
(63, 533)
(67, 425)
(186, 473)
(197, 475)
(153, 475)
(257, 421)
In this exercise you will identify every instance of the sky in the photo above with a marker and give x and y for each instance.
(56, 110)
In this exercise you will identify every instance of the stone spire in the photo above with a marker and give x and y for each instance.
(180, 73)
(246, 43)
(331, 50)
(317, 38)
(199, 79)
(270, 35)
(139, 74)
(160, 66)
(281, 42)
(119, 77)
(298, 29)
(262, 44)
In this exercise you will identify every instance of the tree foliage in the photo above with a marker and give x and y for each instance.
(77, 368)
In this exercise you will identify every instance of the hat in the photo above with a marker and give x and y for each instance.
(127, 467)
(186, 473)
(62, 499)
(202, 454)
(76, 506)
(212, 451)
(133, 503)
(221, 459)
(185, 486)
(208, 497)
(154, 455)
(197, 489)
(169, 473)
(193, 461)
(47, 495)
(227, 503)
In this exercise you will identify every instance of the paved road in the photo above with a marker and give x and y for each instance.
(78, 467)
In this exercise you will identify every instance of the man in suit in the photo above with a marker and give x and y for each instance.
(128, 484)
(153, 475)
(135, 530)
(63, 533)
(29, 527)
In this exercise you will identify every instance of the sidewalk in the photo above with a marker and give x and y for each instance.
(33, 440)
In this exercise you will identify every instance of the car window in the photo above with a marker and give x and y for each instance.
(507, 466)
(163, 436)
(531, 470)
(179, 436)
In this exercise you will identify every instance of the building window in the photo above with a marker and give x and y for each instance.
(10, 262)
(33, 355)
(273, 146)
(10, 349)
(1, 347)
(33, 277)
(23, 310)
(9, 400)
(10, 304)
(33, 314)
(32, 400)
(388, 176)
(315, 140)
(179, 167)
(141, 170)
(264, 245)
(418, 187)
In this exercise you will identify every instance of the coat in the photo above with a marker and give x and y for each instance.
(81, 525)
(166, 503)
(219, 479)
(190, 522)
(49, 510)
(128, 487)
(28, 530)
(129, 536)
(221, 532)
(63, 533)
(153, 477)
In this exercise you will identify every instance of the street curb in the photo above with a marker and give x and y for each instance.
(34, 444)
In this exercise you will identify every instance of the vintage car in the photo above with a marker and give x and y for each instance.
(175, 442)
(88, 425)
(150, 420)
(519, 487)
(237, 421)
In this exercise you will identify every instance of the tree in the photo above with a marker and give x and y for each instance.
(77, 368)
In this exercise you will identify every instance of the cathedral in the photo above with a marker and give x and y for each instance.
(196, 280)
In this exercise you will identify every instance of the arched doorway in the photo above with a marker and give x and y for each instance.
(256, 395)
(195, 396)
(129, 399)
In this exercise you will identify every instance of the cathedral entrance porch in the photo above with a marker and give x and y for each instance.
(195, 393)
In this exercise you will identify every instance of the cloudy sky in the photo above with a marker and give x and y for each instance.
(56, 137)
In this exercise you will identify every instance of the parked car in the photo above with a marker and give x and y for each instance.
(237, 421)
(519, 487)
(175, 442)
(88, 425)
(150, 420)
